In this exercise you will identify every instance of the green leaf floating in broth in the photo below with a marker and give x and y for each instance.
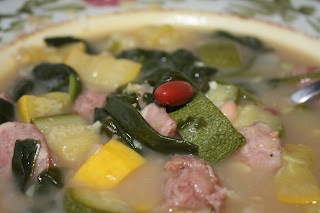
(135, 125)
(6, 111)
(23, 87)
(49, 180)
(65, 40)
(23, 161)
(156, 63)
(293, 79)
(247, 41)
(58, 77)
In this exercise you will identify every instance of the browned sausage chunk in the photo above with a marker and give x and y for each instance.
(262, 149)
(86, 102)
(192, 184)
(12, 131)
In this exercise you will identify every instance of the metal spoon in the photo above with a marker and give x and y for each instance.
(306, 93)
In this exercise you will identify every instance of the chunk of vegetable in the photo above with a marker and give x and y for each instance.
(220, 53)
(6, 111)
(30, 106)
(221, 93)
(295, 182)
(88, 201)
(23, 161)
(249, 114)
(57, 77)
(108, 167)
(203, 124)
(68, 136)
(129, 120)
(103, 72)
(23, 87)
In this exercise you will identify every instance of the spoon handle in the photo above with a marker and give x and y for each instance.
(306, 93)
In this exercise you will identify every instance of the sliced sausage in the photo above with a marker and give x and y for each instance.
(12, 131)
(192, 184)
(5, 97)
(262, 149)
(160, 120)
(87, 101)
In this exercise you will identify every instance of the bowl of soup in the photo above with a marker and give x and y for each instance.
(159, 111)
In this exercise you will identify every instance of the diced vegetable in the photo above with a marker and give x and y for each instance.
(203, 124)
(130, 120)
(108, 167)
(6, 111)
(23, 87)
(221, 93)
(103, 72)
(88, 201)
(23, 161)
(30, 106)
(295, 182)
(249, 114)
(49, 180)
(220, 53)
(247, 41)
(68, 136)
(45, 124)
(63, 41)
(58, 77)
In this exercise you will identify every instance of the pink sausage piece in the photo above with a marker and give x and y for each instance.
(262, 149)
(160, 120)
(5, 97)
(87, 101)
(192, 184)
(12, 131)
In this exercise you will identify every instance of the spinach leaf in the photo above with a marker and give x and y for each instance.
(247, 41)
(58, 77)
(156, 63)
(23, 161)
(23, 87)
(130, 120)
(49, 180)
(6, 111)
(65, 40)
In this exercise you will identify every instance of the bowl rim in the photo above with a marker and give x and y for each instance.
(92, 26)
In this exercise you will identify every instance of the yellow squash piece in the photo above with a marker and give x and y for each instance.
(30, 106)
(102, 72)
(108, 167)
(49, 54)
(294, 181)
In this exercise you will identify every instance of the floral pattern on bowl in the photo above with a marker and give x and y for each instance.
(18, 17)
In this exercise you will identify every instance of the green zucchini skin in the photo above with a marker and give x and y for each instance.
(203, 124)
(6, 111)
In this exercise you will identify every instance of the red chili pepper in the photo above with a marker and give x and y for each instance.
(174, 93)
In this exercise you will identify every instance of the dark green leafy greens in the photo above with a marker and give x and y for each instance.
(247, 41)
(23, 87)
(130, 120)
(49, 181)
(65, 40)
(23, 161)
(156, 63)
(47, 77)
(6, 111)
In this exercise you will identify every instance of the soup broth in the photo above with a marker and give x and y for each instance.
(249, 81)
